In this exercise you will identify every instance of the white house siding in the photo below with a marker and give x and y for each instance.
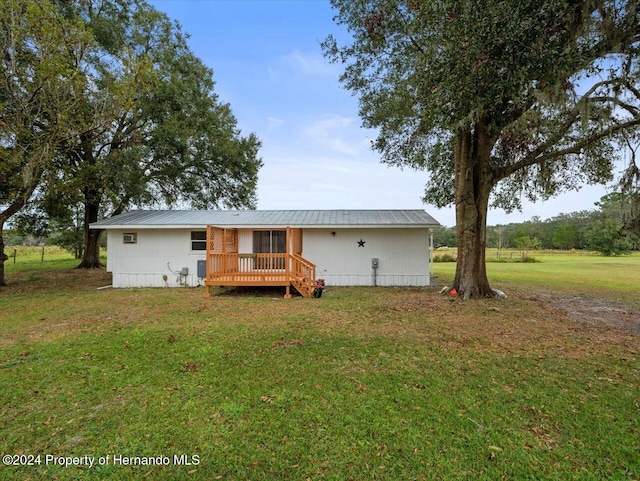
(245, 241)
(144, 263)
(403, 256)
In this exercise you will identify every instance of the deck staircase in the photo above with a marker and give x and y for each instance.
(303, 286)
(303, 275)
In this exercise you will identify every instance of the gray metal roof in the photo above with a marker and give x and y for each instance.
(150, 219)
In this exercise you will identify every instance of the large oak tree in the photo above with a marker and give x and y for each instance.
(166, 137)
(498, 100)
(39, 98)
(154, 132)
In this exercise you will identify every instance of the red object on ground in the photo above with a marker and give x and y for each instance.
(453, 292)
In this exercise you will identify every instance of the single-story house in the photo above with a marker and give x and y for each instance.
(156, 248)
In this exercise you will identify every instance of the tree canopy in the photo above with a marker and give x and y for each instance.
(499, 101)
(160, 135)
(38, 96)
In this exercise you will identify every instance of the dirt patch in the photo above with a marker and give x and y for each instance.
(529, 322)
(594, 311)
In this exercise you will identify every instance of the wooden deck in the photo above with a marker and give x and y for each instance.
(227, 267)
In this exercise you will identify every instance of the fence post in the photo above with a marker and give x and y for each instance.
(15, 252)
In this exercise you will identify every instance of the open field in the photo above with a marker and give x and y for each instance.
(364, 383)
(578, 274)
(31, 258)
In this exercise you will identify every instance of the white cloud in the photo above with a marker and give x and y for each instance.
(295, 180)
(311, 64)
(338, 134)
(341, 169)
(273, 122)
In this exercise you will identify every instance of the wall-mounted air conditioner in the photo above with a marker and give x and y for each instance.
(130, 238)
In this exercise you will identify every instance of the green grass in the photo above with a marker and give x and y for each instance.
(30, 259)
(617, 278)
(365, 383)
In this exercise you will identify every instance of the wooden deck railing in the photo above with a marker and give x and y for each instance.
(261, 269)
(221, 264)
(303, 275)
(302, 268)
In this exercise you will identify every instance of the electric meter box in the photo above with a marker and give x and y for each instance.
(202, 268)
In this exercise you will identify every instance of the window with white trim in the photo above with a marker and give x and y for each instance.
(199, 240)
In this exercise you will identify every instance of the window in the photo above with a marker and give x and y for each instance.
(270, 242)
(198, 240)
(130, 238)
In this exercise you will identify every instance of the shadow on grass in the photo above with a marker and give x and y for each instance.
(48, 281)
(276, 292)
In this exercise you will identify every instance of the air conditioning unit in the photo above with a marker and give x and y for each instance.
(129, 238)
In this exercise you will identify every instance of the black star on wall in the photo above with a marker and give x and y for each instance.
(361, 243)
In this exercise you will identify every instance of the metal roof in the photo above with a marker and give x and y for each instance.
(151, 219)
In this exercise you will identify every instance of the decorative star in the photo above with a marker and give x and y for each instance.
(361, 243)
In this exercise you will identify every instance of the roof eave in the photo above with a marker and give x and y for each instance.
(259, 226)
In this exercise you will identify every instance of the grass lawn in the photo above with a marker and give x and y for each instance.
(616, 277)
(364, 383)
(31, 258)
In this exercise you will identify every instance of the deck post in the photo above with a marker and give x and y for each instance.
(207, 290)
(288, 248)
(287, 267)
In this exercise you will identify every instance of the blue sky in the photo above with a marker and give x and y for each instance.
(268, 66)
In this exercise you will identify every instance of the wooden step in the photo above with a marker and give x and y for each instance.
(303, 286)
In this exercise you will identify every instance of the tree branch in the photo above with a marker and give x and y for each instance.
(614, 100)
(576, 148)
(538, 154)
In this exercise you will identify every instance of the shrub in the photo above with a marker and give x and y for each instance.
(444, 258)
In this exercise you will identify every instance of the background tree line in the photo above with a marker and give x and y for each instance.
(609, 229)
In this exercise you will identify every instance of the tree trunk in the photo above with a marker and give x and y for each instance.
(91, 255)
(3, 257)
(473, 184)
